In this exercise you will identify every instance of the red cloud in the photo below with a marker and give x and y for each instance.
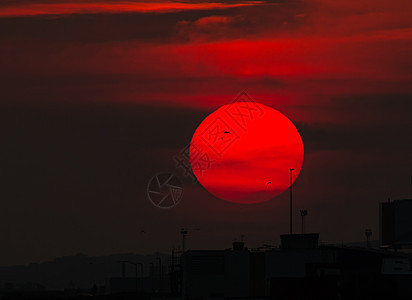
(210, 20)
(36, 9)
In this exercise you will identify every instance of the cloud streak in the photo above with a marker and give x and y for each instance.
(66, 8)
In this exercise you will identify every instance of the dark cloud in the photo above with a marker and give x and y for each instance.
(375, 123)
(166, 27)
(92, 28)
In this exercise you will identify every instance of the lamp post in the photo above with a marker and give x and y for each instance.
(290, 210)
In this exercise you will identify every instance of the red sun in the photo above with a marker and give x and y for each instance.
(243, 152)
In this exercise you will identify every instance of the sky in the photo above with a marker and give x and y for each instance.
(96, 97)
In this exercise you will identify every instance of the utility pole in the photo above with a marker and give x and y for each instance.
(290, 210)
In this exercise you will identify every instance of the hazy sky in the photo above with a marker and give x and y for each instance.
(98, 96)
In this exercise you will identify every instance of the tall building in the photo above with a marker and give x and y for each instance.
(395, 224)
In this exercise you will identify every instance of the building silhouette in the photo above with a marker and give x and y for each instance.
(395, 224)
(299, 269)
